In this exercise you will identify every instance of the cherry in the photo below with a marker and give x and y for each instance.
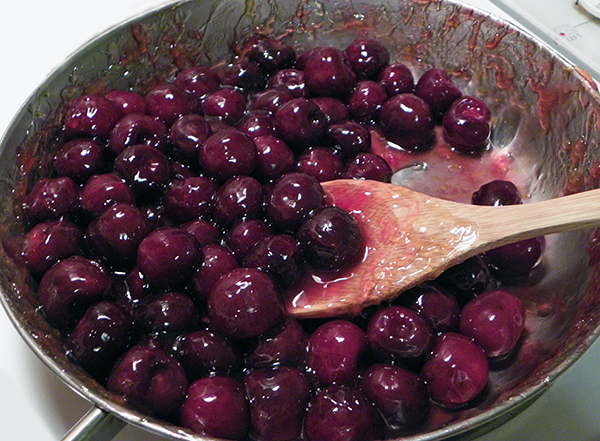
(258, 123)
(146, 169)
(217, 262)
(467, 125)
(340, 412)
(274, 158)
(137, 128)
(495, 321)
(280, 257)
(190, 198)
(198, 81)
(331, 239)
(272, 55)
(244, 235)
(327, 72)
(168, 102)
(204, 353)
(366, 100)
(216, 406)
(167, 312)
(187, 134)
(438, 90)
(246, 75)
(90, 116)
(102, 191)
(244, 303)
(396, 332)
(335, 350)
(168, 256)
(80, 159)
(334, 109)
(69, 287)
(457, 370)
(49, 242)
(51, 199)
(515, 261)
(397, 79)
(205, 232)
(127, 101)
(467, 279)
(283, 345)
(349, 137)
(407, 121)
(300, 122)
(400, 395)
(103, 334)
(292, 198)
(368, 166)
(437, 305)
(291, 81)
(117, 233)
(150, 380)
(497, 193)
(241, 197)
(226, 103)
(278, 398)
(228, 153)
(321, 162)
(367, 57)
(270, 99)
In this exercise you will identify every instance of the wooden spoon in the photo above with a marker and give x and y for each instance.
(411, 238)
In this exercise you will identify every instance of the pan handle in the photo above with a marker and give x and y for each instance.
(95, 425)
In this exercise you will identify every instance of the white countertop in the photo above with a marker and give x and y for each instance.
(35, 36)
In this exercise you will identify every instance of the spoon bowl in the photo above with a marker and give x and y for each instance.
(411, 237)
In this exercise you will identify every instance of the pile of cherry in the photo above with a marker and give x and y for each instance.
(172, 222)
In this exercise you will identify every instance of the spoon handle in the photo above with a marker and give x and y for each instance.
(502, 225)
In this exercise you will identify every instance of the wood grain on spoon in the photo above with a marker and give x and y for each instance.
(411, 238)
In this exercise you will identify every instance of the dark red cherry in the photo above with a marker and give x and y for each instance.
(407, 121)
(334, 109)
(496, 193)
(278, 398)
(146, 169)
(241, 197)
(257, 123)
(203, 353)
(438, 90)
(331, 239)
(516, 260)
(217, 407)
(69, 287)
(400, 395)
(169, 256)
(397, 79)
(291, 81)
(495, 321)
(242, 237)
(456, 371)
(349, 137)
(292, 198)
(117, 232)
(49, 242)
(90, 116)
(467, 125)
(102, 191)
(187, 134)
(284, 345)
(367, 57)
(467, 279)
(127, 101)
(102, 335)
(226, 103)
(80, 159)
(366, 100)
(244, 303)
(168, 102)
(368, 166)
(324, 163)
(150, 380)
(327, 72)
(437, 305)
(246, 75)
(167, 312)
(198, 81)
(341, 413)
(51, 199)
(270, 99)
(335, 350)
(274, 158)
(228, 153)
(396, 332)
(272, 55)
(217, 262)
(300, 122)
(137, 128)
(205, 232)
(190, 198)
